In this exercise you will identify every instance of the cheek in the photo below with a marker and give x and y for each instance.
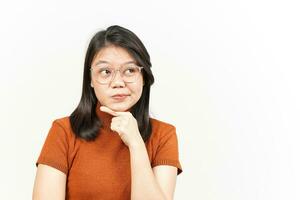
(139, 89)
(100, 93)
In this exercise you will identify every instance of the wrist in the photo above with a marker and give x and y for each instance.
(136, 144)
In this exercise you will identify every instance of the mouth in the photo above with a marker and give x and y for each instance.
(120, 96)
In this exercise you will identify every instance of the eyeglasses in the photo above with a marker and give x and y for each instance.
(105, 74)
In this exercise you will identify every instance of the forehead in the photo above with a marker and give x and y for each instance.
(113, 55)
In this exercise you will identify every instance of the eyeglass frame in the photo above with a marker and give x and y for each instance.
(114, 74)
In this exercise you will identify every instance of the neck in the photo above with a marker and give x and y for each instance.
(104, 117)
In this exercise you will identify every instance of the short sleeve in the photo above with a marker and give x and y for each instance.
(167, 152)
(55, 149)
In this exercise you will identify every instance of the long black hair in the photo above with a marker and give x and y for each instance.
(84, 120)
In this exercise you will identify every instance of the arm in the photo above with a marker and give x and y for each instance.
(158, 184)
(146, 184)
(50, 183)
(166, 177)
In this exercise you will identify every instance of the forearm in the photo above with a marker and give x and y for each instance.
(143, 183)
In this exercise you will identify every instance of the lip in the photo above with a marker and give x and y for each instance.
(119, 96)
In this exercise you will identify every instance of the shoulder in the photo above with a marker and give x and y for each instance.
(64, 122)
(62, 126)
(159, 124)
(161, 128)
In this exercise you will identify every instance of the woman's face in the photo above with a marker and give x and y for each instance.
(115, 57)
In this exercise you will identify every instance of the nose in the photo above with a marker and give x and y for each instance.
(117, 80)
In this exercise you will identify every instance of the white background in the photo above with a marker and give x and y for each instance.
(227, 76)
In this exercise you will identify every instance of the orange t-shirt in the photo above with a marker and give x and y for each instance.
(100, 169)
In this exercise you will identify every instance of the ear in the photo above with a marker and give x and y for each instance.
(92, 85)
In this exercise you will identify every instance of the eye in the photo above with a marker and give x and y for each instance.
(105, 71)
(130, 70)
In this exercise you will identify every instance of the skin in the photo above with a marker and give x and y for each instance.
(147, 183)
(116, 57)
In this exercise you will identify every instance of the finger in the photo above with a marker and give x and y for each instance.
(116, 120)
(109, 111)
(116, 128)
(113, 127)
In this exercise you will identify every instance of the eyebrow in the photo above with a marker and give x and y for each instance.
(103, 61)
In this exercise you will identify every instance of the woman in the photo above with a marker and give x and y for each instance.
(109, 147)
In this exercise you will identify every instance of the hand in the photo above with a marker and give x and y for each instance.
(125, 125)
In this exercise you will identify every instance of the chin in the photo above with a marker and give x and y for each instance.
(120, 108)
